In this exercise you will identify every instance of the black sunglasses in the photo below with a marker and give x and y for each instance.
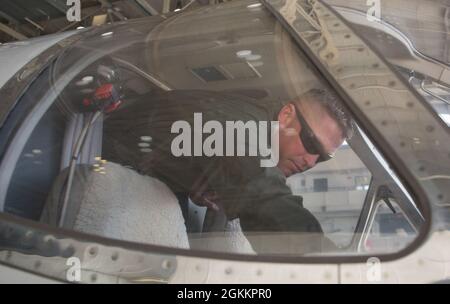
(310, 142)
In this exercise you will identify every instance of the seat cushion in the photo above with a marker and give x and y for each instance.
(122, 204)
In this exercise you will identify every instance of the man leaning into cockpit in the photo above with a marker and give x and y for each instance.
(311, 129)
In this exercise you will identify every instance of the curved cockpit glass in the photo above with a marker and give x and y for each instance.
(208, 130)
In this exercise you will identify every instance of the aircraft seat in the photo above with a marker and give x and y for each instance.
(119, 204)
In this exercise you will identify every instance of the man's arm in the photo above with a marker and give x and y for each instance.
(274, 220)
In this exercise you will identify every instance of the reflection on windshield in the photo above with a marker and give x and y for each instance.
(186, 137)
(424, 25)
(436, 94)
(413, 40)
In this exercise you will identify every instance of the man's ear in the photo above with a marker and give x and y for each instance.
(286, 116)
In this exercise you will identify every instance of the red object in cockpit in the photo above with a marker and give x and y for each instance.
(106, 98)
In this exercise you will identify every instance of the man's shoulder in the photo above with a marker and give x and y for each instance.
(227, 104)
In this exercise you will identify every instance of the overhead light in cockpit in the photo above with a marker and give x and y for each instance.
(146, 138)
(254, 5)
(243, 54)
(253, 57)
(144, 145)
(85, 81)
(248, 55)
(107, 34)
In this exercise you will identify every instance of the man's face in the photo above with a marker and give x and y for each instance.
(294, 157)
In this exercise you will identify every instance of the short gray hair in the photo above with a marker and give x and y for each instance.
(331, 102)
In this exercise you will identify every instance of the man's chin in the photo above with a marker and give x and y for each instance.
(285, 171)
(290, 172)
